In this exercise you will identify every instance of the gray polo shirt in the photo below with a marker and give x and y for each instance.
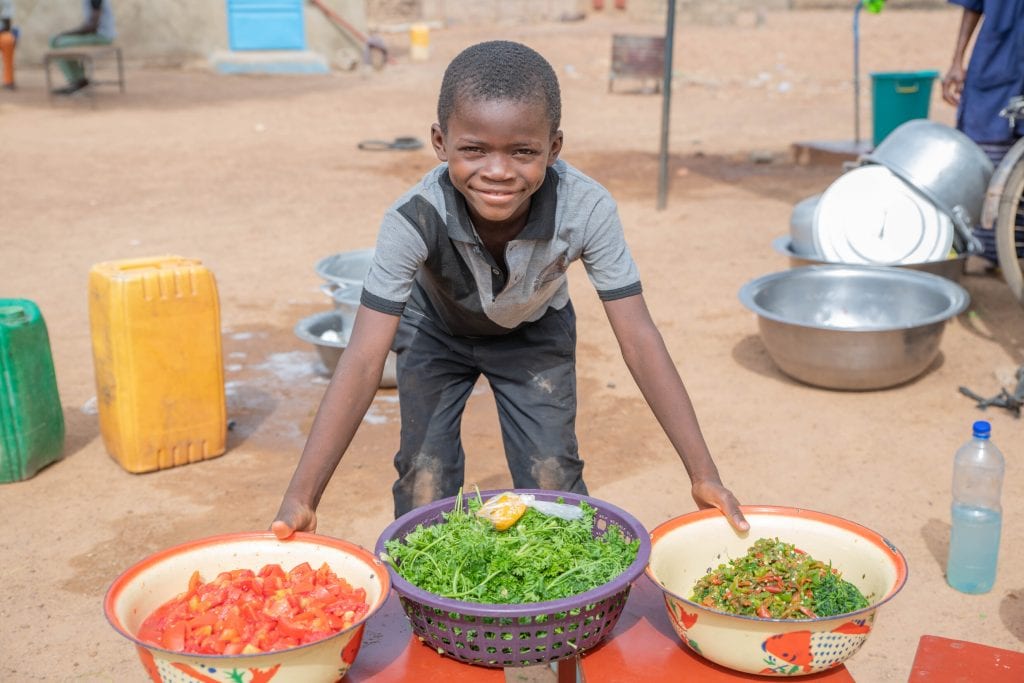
(430, 261)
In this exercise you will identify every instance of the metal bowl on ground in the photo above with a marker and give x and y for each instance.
(329, 333)
(344, 269)
(950, 268)
(853, 327)
(346, 299)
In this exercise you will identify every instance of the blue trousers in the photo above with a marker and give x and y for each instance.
(532, 373)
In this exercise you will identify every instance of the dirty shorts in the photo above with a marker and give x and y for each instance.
(532, 374)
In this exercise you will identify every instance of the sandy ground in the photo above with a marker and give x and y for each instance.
(260, 178)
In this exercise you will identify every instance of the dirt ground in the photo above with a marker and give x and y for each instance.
(260, 177)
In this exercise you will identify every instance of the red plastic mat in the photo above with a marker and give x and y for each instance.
(944, 660)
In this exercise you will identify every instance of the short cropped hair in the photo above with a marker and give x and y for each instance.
(499, 70)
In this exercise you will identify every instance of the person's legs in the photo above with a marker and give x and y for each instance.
(73, 69)
(7, 56)
(435, 378)
(986, 235)
(533, 375)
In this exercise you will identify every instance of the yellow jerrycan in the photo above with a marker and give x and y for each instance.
(157, 356)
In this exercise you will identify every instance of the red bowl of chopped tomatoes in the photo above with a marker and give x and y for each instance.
(249, 605)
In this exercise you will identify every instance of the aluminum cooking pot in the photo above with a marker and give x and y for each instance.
(942, 163)
(801, 226)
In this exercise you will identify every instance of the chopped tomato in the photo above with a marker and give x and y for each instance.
(173, 637)
(245, 612)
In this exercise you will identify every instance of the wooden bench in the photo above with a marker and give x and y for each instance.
(89, 56)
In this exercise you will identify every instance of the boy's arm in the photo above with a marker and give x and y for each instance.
(655, 374)
(348, 397)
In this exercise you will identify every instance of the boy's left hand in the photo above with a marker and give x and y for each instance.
(712, 494)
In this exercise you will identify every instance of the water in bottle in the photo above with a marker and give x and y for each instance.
(976, 513)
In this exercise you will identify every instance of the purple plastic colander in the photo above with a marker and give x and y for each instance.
(502, 635)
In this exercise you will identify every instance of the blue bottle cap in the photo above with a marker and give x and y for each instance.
(982, 429)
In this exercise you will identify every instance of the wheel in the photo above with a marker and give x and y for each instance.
(1009, 227)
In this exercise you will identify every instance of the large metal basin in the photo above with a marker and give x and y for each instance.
(853, 327)
(950, 268)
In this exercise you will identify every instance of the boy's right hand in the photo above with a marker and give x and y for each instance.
(708, 494)
(293, 517)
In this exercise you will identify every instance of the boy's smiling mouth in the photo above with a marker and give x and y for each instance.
(495, 196)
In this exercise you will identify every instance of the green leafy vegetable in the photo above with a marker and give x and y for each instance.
(836, 596)
(539, 558)
(774, 580)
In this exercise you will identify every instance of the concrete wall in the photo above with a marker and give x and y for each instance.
(391, 12)
(177, 32)
(726, 12)
(383, 13)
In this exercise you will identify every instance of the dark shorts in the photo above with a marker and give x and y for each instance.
(532, 373)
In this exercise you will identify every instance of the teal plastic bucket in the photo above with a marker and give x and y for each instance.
(898, 97)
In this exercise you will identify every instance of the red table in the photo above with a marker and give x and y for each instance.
(641, 647)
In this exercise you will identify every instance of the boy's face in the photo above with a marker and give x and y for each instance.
(498, 152)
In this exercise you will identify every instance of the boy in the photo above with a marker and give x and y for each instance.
(468, 278)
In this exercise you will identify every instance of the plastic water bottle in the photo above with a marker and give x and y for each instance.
(977, 516)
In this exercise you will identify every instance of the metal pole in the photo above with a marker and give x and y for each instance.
(856, 75)
(666, 99)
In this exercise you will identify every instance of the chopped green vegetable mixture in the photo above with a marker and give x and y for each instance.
(774, 580)
(539, 558)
